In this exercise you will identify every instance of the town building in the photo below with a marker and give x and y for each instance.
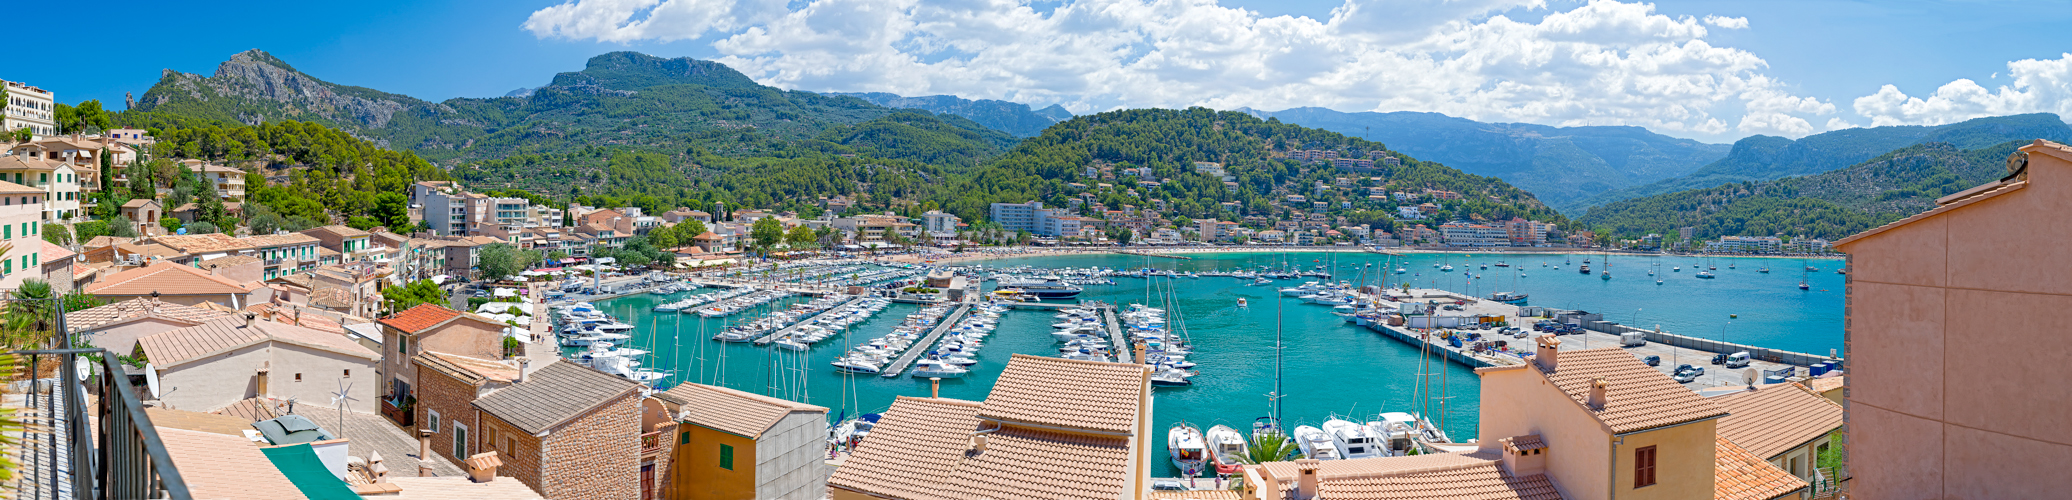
(57, 180)
(428, 327)
(116, 327)
(566, 430)
(226, 360)
(1947, 395)
(1787, 425)
(1745, 244)
(1052, 428)
(941, 224)
(175, 283)
(734, 444)
(21, 229)
(1468, 234)
(1526, 233)
(29, 107)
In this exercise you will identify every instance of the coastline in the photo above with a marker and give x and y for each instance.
(1023, 252)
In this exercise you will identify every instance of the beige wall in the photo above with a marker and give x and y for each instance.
(1944, 351)
(213, 382)
(1684, 459)
(461, 337)
(322, 371)
(222, 379)
(1518, 402)
(22, 246)
(122, 338)
(185, 300)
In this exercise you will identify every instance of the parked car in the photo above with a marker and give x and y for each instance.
(1652, 360)
(1684, 377)
(1168, 485)
(1719, 359)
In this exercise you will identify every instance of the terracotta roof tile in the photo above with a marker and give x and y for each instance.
(167, 278)
(174, 347)
(1441, 475)
(1739, 475)
(1638, 397)
(458, 488)
(1068, 393)
(142, 307)
(554, 394)
(1824, 384)
(221, 467)
(728, 410)
(466, 369)
(911, 450)
(420, 318)
(203, 243)
(53, 252)
(1774, 419)
(1525, 443)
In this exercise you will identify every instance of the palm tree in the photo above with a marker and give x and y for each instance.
(1268, 447)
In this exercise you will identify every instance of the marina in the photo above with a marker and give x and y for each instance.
(1337, 368)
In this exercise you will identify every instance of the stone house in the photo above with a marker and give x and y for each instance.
(567, 430)
(221, 362)
(429, 327)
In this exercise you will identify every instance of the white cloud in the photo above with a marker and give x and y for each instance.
(1601, 63)
(2039, 86)
(1732, 23)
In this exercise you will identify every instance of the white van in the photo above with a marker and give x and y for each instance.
(1737, 360)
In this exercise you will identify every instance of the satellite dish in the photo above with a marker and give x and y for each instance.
(1749, 375)
(151, 379)
(2016, 162)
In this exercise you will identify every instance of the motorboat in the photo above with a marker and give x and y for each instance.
(937, 368)
(1315, 443)
(1189, 450)
(1226, 447)
(1803, 286)
(1705, 275)
(1513, 298)
(1045, 288)
(1397, 431)
(1352, 439)
(1446, 268)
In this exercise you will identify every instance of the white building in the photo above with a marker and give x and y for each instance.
(940, 224)
(30, 107)
(60, 185)
(1745, 244)
(21, 234)
(1409, 212)
(1465, 234)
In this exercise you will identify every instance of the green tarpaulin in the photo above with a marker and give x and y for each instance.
(301, 465)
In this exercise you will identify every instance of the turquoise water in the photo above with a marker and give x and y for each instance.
(1330, 367)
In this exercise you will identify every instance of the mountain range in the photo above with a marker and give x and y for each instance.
(1010, 117)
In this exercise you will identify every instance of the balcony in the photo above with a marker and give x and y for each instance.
(119, 456)
(400, 416)
(652, 443)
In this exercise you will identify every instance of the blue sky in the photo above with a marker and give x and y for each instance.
(1801, 66)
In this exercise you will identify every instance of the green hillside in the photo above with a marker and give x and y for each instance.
(1830, 205)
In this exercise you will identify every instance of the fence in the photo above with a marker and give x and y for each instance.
(119, 458)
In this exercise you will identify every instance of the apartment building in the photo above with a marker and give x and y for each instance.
(21, 229)
(31, 108)
(941, 224)
(1467, 234)
(228, 182)
(1950, 393)
(1525, 233)
(1745, 244)
(57, 180)
(1018, 216)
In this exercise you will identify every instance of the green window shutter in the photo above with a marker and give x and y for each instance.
(684, 438)
(7, 232)
(726, 457)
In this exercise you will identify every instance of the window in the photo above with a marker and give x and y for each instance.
(726, 457)
(460, 441)
(402, 345)
(431, 421)
(683, 438)
(298, 377)
(348, 373)
(1644, 466)
(510, 444)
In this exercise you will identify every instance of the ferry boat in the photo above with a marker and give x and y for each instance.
(1189, 451)
(1044, 288)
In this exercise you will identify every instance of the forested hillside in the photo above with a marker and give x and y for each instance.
(1831, 205)
(1013, 118)
(1761, 158)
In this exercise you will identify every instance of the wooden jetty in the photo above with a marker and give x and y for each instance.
(781, 332)
(926, 342)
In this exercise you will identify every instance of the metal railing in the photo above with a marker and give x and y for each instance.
(121, 457)
(653, 442)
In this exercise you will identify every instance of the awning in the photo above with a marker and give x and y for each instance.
(301, 465)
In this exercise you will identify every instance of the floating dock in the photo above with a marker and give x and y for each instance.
(927, 342)
(781, 332)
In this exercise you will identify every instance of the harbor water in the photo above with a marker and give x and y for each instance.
(1329, 367)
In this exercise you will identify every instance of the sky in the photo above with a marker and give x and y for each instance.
(1710, 70)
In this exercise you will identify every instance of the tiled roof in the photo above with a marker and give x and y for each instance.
(1525, 443)
(554, 394)
(19, 162)
(1773, 419)
(203, 243)
(420, 318)
(331, 297)
(174, 347)
(1472, 476)
(1824, 384)
(231, 261)
(1637, 396)
(212, 422)
(911, 449)
(468, 370)
(1058, 392)
(275, 240)
(1197, 495)
(167, 278)
(252, 410)
(1739, 475)
(458, 488)
(52, 252)
(728, 410)
(88, 319)
(218, 466)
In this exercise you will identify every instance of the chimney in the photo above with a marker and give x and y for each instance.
(424, 453)
(524, 365)
(935, 387)
(249, 317)
(376, 470)
(1306, 486)
(978, 443)
(1597, 396)
(1549, 352)
(482, 466)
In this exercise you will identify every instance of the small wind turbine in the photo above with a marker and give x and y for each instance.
(338, 400)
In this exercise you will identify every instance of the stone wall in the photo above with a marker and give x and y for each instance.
(595, 456)
(453, 400)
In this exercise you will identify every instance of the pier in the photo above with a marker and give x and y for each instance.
(1151, 254)
(781, 332)
(1115, 338)
(922, 346)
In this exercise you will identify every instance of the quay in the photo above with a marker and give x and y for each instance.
(808, 290)
(1152, 254)
(1673, 349)
(781, 332)
(922, 346)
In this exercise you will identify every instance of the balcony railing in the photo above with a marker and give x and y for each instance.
(396, 414)
(119, 457)
(653, 442)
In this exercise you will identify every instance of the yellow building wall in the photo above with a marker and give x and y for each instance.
(695, 473)
(1684, 459)
(842, 494)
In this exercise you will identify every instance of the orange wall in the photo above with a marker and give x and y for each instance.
(695, 473)
(1518, 402)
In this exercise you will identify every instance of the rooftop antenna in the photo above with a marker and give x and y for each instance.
(338, 399)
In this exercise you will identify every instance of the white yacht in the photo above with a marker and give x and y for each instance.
(1315, 443)
(1352, 439)
(1187, 447)
(937, 368)
(1226, 446)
